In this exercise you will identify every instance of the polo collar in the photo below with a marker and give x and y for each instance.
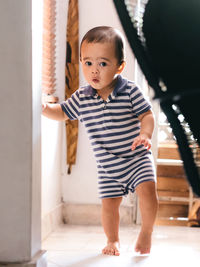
(88, 90)
(119, 87)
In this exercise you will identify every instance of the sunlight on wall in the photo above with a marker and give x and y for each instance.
(37, 27)
(51, 164)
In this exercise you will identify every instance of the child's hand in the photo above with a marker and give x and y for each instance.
(142, 139)
(43, 106)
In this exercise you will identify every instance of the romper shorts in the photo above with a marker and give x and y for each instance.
(140, 170)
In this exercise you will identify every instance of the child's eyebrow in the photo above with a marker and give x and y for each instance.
(86, 58)
(101, 58)
(104, 58)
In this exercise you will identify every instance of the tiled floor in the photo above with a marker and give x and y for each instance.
(80, 246)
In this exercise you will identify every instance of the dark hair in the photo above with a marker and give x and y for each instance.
(104, 34)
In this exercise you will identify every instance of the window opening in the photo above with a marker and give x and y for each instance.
(49, 52)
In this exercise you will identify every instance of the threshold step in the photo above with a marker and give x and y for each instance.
(180, 221)
(171, 162)
(180, 200)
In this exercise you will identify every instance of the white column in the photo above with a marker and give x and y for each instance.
(20, 178)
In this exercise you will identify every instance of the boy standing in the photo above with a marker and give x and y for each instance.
(119, 122)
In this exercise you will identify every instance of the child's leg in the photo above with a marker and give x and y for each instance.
(110, 222)
(148, 203)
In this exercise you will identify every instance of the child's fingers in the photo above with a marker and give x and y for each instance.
(136, 143)
(147, 145)
(143, 142)
(43, 106)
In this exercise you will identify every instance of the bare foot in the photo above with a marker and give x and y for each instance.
(143, 244)
(112, 248)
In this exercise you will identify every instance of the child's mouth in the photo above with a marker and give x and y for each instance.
(95, 80)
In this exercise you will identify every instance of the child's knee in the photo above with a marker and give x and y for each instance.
(111, 203)
(147, 189)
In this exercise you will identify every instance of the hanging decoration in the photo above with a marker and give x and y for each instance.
(72, 77)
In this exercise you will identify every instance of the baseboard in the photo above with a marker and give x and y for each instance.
(90, 214)
(52, 220)
(39, 260)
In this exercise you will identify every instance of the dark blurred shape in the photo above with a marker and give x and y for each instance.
(169, 56)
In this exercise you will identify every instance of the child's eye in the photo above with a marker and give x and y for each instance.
(103, 64)
(88, 63)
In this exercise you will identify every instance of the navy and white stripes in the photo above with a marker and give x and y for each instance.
(112, 126)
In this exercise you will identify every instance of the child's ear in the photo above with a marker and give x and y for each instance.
(121, 67)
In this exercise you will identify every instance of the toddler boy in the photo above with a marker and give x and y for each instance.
(119, 123)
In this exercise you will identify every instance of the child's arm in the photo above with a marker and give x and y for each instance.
(146, 131)
(54, 112)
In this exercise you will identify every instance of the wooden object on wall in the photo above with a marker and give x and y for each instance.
(72, 77)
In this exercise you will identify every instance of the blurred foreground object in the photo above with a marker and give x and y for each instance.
(166, 42)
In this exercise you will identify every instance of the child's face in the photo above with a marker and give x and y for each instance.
(99, 64)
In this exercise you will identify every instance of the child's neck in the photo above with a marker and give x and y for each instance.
(105, 92)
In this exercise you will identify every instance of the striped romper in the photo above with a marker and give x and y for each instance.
(112, 126)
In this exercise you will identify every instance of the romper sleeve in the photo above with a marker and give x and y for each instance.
(139, 103)
(71, 106)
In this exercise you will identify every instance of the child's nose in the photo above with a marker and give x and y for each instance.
(95, 69)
